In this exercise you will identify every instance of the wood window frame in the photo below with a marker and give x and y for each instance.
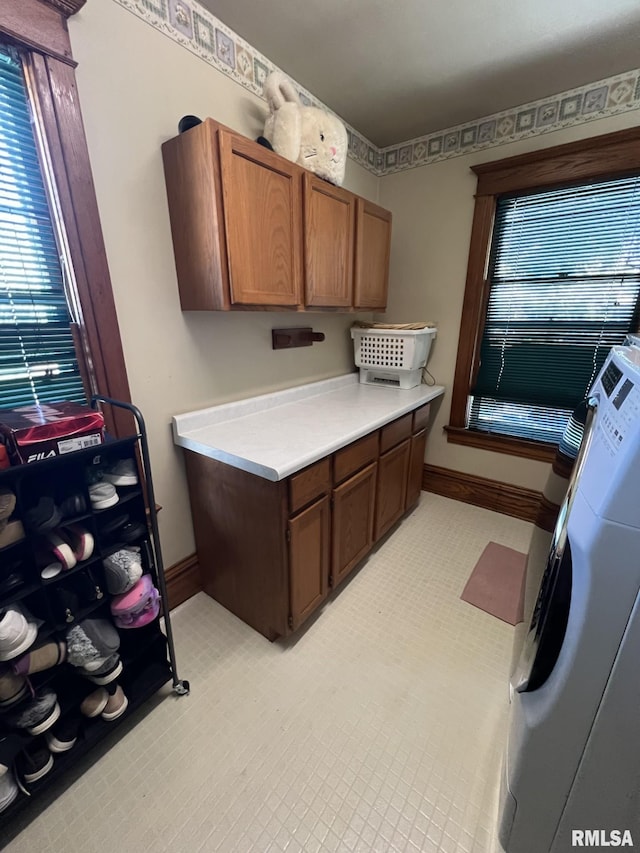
(40, 28)
(612, 155)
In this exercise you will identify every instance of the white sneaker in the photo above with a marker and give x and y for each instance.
(123, 473)
(92, 665)
(17, 634)
(103, 495)
(8, 790)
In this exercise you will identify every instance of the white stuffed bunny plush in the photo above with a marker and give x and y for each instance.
(306, 135)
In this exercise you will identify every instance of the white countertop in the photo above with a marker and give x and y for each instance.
(275, 435)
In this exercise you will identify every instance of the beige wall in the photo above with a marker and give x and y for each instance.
(134, 86)
(432, 214)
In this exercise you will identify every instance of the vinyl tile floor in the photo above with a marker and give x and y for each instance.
(379, 727)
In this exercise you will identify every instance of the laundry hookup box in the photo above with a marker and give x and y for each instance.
(34, 433)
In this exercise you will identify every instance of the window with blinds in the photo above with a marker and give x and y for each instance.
(564, 278)
(38, 361)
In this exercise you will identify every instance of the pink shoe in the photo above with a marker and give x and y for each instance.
(80, 540)
(137, 607)
(62, 550)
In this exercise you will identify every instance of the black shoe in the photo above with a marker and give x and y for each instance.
(11, 583)
(34, 762)
(44, 516)
(11, 577)
(64, 734)
(35, 715)
(113, 525)
(73, 505)
(131, 532)
(10, 746)
(65, 605)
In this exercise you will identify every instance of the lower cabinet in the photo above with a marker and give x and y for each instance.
(353, 509)
(391, 491)
(270, 551)
(416, 466)
(309, 560)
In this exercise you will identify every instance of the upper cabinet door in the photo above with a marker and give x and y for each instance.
(329, 243)
(373, 243)
(192, 172)
(262, 204)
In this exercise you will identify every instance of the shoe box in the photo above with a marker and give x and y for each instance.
(34, 433)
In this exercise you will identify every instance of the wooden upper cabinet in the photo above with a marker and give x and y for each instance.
(329, 231)
(194, 194)
(262, 202)
(373, 245)
(252, 230)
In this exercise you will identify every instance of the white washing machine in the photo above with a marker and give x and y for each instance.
(572, 761)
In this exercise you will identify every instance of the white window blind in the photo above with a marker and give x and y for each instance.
(38, 361)
(564, 277)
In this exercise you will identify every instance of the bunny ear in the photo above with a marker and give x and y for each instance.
(278, 90)
(286, 130)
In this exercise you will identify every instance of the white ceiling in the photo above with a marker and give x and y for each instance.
(397, 69)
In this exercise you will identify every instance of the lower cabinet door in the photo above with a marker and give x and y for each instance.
(416, 465)
(353, 507)
(309, 560)
(391, 491)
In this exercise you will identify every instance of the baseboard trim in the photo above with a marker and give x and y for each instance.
(547, 515)
(480, 491)
(183, 580)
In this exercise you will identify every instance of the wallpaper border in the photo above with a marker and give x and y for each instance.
(196, 29)
(577, 106)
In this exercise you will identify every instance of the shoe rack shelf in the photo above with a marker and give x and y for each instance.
(147, 653)
(151, 680)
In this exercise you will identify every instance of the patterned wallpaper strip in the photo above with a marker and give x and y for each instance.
(593, 101)
(196, 29)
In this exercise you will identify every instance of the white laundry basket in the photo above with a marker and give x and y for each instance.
(392, 357)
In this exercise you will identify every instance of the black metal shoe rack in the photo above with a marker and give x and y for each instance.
(147, 653)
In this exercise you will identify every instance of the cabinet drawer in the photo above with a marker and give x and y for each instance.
(421, 417)
(395, 432)
(355, 456)
(309, 484)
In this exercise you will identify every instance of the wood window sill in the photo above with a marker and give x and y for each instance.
(539, 450)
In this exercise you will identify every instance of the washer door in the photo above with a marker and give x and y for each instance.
(548, 625)
(549, 619)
